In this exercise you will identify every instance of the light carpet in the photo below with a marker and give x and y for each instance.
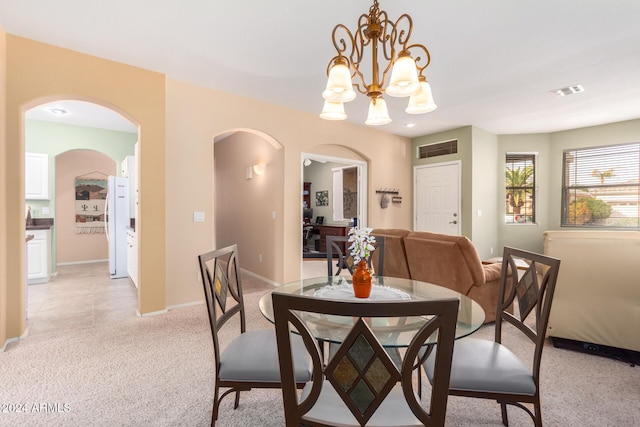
(157, 371)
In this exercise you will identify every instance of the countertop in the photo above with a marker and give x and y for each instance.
(40, 224)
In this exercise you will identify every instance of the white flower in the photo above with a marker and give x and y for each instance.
(361, 243)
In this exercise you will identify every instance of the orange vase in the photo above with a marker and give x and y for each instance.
(361, 280)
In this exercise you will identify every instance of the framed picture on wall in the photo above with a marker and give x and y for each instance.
(322, 198)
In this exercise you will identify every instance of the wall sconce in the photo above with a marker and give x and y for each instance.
(257, 169)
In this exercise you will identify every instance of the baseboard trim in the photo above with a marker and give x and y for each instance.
(7, 342)
(264, 279)
(152, 313)
(185, 305)
(94, 261)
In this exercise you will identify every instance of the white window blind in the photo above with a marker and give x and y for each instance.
(601, 187)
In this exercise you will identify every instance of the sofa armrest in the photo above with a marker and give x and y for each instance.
(492, 271)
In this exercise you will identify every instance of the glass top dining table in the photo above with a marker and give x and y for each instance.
(391, 332)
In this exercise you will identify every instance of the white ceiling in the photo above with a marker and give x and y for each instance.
(80, 113)
(494, 62)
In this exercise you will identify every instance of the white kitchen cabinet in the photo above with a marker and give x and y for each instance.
(128, 170)
(135, 182)
(38, 256)
(127, 167)
(132, 256)
(36, 176)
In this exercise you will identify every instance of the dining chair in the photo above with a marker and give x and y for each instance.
(488, 369)
(344, 259)
(250, 358)
(361, 385)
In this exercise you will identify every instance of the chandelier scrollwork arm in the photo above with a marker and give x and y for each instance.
(423, 58)
(402, 30)
(338, 40)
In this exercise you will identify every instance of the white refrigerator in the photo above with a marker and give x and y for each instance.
(116, 223)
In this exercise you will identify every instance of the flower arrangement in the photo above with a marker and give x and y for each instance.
(361, 243)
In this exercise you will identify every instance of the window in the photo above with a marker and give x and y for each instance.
(520, 194)
(601, 187)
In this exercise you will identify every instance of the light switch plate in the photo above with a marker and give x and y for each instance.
(198, 216)
(45, 210)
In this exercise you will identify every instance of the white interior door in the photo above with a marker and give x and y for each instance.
(437, 198)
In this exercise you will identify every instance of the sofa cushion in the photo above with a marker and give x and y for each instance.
(468, 252)
(438, 261)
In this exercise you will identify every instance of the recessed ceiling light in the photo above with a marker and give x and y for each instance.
(58, 111)
(569, 90)
(409, 125)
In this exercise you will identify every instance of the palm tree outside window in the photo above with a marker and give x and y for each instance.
(520, 194)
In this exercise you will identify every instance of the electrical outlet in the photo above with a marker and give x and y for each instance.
(260, 258)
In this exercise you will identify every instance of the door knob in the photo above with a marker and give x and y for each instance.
(453, 222)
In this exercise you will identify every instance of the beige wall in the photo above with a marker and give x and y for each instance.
(196, 115)
(3, 190)
(137, 94)
(72, 247)
(178, 123)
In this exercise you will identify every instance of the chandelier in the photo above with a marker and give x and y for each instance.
(389, 42)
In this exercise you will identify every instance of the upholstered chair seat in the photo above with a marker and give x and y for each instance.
(481, 366)
(253, 356)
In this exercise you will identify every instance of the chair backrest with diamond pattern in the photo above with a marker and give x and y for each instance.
(533, 290)
(361, 371)
(220, 274)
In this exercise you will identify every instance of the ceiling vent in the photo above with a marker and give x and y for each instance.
(569, 90)
(438, 149)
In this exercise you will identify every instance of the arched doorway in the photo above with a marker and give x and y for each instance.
(79, 139)
(334, 197)
(249, 199)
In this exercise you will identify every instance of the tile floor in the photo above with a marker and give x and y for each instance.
(80, 296)
(83, 296)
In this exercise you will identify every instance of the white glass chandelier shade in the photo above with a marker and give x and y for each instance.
(404, 76)
(422, 102)
(378, 114)
(333, 111)
(339, 87)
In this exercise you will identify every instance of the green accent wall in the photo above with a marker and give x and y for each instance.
(483, 154)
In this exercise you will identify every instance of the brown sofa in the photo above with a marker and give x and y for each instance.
(450, 261)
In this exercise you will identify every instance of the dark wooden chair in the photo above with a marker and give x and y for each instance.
(250, 359)
(488, 369)
(344, 259)
(361, 385)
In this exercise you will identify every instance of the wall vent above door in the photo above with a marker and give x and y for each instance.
(438, 149)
